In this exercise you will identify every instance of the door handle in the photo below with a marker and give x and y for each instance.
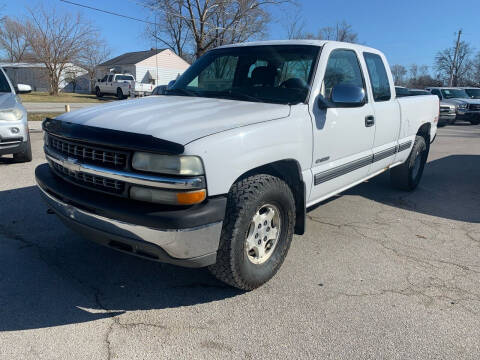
(369, 120)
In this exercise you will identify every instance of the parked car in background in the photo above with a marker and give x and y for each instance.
(448, 114)
(159, 90)
(14, 134)
(220, 171)
(466, 108)
(401, 91)
(416, 92)
(473, 93)
(121, 85)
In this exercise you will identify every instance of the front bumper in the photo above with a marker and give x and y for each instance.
(13, 142)
(186, 237)
(467, 114)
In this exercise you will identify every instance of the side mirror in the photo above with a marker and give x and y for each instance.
(346, 95)
(170, 84)
(23, 89)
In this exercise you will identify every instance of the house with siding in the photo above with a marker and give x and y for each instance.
(154, 66)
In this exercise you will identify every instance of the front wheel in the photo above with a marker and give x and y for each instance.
(475, 122)
(98, 93)
(257, 232)
(407, 175)
(26, 154)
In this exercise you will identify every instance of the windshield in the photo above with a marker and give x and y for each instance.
(4, 85)
(473, 93)
(124, 77)
(272, 74)
(454, 94)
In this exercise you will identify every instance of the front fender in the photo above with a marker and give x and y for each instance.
(228, 155)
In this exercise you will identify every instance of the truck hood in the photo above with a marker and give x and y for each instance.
(178, 119)
(459, 101)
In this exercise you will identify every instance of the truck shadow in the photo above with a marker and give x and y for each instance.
(49, 276)
(450, 188)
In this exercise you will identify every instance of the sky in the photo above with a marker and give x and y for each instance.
(407, 31)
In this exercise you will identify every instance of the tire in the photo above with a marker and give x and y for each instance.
(98, 93)
(407, 176)
(250, 202)
(120, 94)
(475, 122)
(25, 155)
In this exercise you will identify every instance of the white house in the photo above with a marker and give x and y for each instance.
(154, 66)
(36, 75)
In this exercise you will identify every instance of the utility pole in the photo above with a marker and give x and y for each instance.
(454, 65)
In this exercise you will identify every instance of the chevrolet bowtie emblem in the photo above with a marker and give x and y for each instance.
(71, 164)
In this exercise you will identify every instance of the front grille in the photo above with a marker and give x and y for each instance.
(474, 106)
(91, 181)
(445, 109)
(90, 154)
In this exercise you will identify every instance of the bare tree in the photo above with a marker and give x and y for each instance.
(169, 29)
(94, 54)
(13, 38)
(475, 78)
(446, 63)
(58, 40)
(213, 22)
(295, 26)
(399, 72)
(341, 31)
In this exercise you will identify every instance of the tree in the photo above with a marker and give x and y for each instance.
(58, 40)
(398, 73)
(341, 31)
(446, 63)
(168, 28)
(13, 38)
(475, 78)
(211, 23)
(94, 54)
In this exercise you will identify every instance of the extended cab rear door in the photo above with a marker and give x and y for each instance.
(386, 111)
(342, 136)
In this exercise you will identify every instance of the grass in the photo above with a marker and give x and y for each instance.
(39, 97)
(41, 116)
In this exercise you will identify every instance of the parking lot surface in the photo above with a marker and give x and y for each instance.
(380, 274)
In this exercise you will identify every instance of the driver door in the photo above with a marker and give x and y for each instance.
(342, 136)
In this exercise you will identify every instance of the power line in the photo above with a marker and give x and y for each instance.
(107, 12)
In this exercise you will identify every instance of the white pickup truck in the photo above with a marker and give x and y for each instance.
(221, 170)
(121, 85)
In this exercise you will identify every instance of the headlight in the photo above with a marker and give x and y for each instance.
(462, 106)
(11, 114)
(167, 164)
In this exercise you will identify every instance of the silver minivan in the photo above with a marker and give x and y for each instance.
(14, 135)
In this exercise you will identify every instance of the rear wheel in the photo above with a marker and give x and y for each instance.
(257, 232)
(120, 94)
(407, 175)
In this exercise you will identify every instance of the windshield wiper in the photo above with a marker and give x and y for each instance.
(181, 91)
(238, 94)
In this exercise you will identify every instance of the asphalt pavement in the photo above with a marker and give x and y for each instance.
(380, 274)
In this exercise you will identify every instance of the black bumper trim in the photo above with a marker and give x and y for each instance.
(154, 216)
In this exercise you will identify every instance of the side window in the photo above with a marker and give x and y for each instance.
(437, 92)
(104, 79)
(378, 77)
(342, 68)
(110, 77)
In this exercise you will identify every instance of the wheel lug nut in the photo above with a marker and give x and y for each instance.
(265, 238)
(259, 226)
(259, 242)
(268, 229)
(256, 236)
(265, 223)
